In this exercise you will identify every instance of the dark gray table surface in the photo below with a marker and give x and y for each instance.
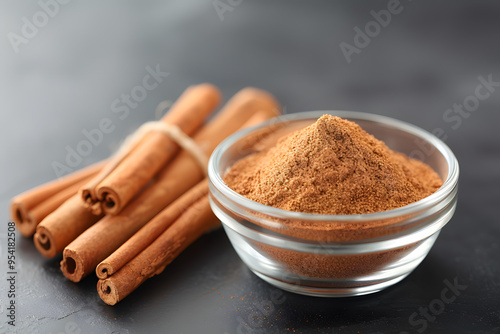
(67, 72)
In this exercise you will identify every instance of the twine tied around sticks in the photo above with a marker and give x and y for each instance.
(172, 131)
(175, 133)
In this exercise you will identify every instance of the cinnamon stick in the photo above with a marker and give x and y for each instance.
(62, 226)
(29, 208)
(149, 232)
(104, 237)
(194, 222)
(149, 251)
(112, 190)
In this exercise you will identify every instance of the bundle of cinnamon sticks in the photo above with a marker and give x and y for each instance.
(128, 217)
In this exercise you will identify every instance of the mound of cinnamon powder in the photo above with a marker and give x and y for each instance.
(332, 167)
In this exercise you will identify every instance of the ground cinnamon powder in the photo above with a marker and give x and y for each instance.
(332, 167)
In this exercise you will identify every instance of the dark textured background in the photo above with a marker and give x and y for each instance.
(428, 58)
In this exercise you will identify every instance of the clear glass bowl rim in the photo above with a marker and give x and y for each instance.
(426, 203)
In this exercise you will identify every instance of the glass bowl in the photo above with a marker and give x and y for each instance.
(333, 255)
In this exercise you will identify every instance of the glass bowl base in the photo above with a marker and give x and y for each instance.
(330, 292)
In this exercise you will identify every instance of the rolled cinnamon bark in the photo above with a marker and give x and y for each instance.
(82, 255)
(194, 222)
(160, 241)
(29, 208)
(62, 226)
(149, 232)
(110, 193)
